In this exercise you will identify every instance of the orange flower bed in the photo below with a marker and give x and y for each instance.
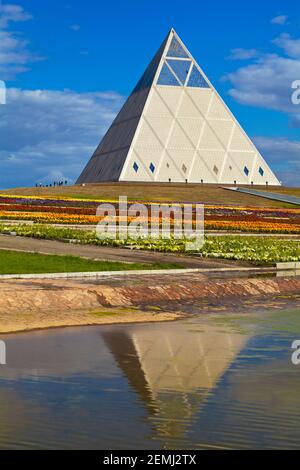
(252, 226)
(260, 226)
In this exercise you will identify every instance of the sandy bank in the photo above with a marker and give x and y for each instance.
(37, 320)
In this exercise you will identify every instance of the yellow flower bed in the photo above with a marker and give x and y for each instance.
(50, 217)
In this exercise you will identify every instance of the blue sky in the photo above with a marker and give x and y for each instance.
(68, 66)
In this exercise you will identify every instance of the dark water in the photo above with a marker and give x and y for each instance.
(216, 382)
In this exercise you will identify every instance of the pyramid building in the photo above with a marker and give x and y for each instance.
(174, 127)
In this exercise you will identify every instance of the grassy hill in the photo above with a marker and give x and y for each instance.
(159, 192)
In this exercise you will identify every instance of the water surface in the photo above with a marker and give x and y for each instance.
(214, 381)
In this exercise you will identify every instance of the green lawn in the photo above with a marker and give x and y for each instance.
(14, 262)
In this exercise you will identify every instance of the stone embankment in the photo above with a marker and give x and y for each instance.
(31, 304)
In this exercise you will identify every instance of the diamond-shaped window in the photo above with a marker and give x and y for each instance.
(216, 169)
(181, 68)
(184, 168)
(135, 167)
(261, 171)
(246, 171)
(166, 77)
(176, 50)
(152, 167)
(197, 80)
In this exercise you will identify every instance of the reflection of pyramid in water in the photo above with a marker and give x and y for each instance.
(173, 370)
(175, 127)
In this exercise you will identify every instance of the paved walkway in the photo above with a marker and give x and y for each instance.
(109, 254)
(268, 195)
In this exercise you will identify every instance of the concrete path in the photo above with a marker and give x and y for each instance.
(268, 195)
(109, 254)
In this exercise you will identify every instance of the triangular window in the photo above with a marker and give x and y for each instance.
(176, 50)
(197, 80)
(167, 78)
(181, 68)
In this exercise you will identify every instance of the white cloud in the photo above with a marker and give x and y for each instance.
(290, 46)
(284, 157)
(243, 54)
(75, 27)
(12, 13)
(281, 19)
(15, 54)
(57, 132)
(267, 83)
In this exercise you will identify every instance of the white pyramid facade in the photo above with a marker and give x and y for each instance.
(176, 128)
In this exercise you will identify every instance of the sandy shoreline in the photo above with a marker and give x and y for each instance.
(24, 322)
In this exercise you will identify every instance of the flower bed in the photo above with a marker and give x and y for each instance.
(83, 212)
